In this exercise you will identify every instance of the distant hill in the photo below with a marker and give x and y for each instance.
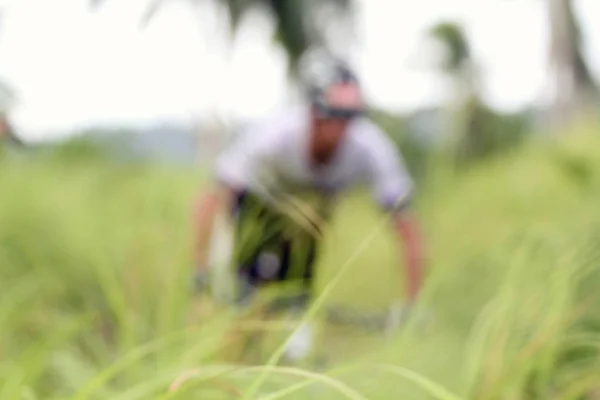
(166, 142)
(176, 142)
(163, 142)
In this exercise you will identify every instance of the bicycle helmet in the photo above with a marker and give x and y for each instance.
(331, 86)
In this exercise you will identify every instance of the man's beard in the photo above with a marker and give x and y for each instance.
(324, 154)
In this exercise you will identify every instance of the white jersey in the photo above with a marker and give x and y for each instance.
(275, 157)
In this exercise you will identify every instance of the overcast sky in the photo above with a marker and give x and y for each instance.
(72, 66)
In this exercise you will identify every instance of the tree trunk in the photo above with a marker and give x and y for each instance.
(573, 86)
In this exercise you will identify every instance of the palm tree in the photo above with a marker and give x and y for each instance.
(299, 24)
(476, 130)
(459, 66)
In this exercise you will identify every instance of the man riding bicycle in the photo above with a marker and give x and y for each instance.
(326, 148)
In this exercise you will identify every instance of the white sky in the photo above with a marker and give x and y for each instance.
(72, 66)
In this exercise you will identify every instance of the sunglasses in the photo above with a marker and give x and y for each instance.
(329, 113)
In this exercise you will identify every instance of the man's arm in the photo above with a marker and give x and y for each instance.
(218, 199)
(393, 188)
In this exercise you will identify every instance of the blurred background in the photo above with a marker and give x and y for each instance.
(112, 112)
(184, 67)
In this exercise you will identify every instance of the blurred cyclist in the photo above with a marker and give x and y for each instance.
(327, 147)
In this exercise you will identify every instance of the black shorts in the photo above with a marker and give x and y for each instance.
(270, 247)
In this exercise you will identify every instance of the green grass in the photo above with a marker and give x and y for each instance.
(94, 276)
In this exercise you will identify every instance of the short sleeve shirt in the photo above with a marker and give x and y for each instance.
(275, 157)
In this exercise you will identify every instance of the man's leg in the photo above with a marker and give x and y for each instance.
(299, 270)
(270, 248)
(260, 253)
(277, 259)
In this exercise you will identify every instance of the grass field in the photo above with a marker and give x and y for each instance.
(94, 276)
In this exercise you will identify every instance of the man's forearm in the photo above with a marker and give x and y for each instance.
(205, 211)
(408, 232)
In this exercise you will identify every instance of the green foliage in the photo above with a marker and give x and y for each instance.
(478, 131)
(487, 133)
(458, 52)
(95, 262)
(93, 146)
(77, 149)
(415, 152)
